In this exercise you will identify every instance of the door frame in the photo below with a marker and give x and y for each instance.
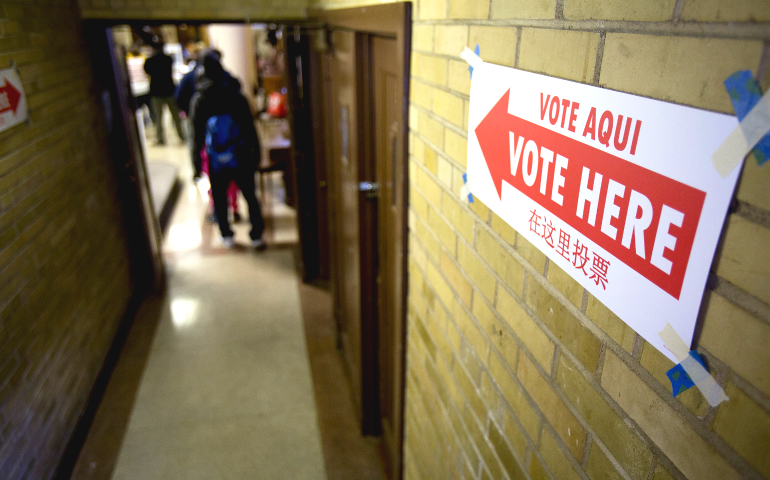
(389, 20)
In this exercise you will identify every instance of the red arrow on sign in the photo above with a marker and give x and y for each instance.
(556, 171)
(492, 133)
(9, 98)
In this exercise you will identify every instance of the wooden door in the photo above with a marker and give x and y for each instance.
(366, 75)
(389, 155)
(342, 162)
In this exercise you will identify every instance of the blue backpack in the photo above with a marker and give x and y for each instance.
(223, 142)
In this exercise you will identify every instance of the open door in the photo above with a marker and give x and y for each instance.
(365, 88)
(120, 106)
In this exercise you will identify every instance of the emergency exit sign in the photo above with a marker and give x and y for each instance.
(618, 190)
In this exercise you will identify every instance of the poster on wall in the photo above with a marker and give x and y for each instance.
(618, 190)
(13, 102)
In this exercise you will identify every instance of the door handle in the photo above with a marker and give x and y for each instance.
(372, 189)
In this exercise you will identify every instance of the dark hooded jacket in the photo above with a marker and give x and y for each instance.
(218, 94)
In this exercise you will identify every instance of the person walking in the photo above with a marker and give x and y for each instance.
(223, 124)
(162, 87)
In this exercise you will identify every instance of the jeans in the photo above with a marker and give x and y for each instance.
(244, 178)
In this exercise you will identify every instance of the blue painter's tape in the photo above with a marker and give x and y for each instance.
(745, 93)
(465, 181)
(680, 381)
(470, 69)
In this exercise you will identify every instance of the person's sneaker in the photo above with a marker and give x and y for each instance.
(228, 242)
(259, 244)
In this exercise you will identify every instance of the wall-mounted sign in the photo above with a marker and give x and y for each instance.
(618, 190)
(13, 102)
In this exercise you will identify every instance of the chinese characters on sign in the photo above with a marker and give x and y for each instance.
(618, 190)
(579, 257)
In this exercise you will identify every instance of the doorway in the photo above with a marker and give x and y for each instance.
(365, 72)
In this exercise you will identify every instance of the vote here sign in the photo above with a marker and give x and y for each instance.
(618, 190)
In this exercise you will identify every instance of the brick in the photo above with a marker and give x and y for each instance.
(443, 231)
(560, 53)
(490, 323)
(536, 470)
(753, 184)
(429, 68)
(745, 258)
(641, 11)
(661, 473)
(737, 338)
(418, 203)
(422, 37)
(456, 279)
(537, 9)
(421, 94)
(514, 434)
(621, 441)
(459, 77)
(418, 150)
(432, 9)
(431, 160)
(501, 261)
(716, 11)
(521, 408)
(684, 70)
(610, 323)
(672, 434)
(481, 210)
(496, 44)
(430, 188)
(503, 229)
(469, 9)
(658, 364)
(567, 285)
(531, 335)
(445, 172)
(456, 147)
(745, 426)
(448, 106)
(458, 217)
(440, 285)
(481, 277)
(599, 466)
(575, 337)
(561, 419)
(451, 39)
(431, 129)
(504, 452)
(535, 257)
(554, 458)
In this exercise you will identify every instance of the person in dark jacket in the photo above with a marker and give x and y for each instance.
(215, 95)
(185, 91)
(159, 67)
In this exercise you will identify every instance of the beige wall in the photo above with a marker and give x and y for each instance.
(514, 370)
(243, 10)
(64, 273)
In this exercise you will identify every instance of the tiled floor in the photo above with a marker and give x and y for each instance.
(215, 378)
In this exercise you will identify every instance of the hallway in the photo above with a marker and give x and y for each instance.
(215, 380)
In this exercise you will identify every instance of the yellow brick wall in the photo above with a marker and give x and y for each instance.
(513, 370)
(64, 273)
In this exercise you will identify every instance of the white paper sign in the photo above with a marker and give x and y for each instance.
(618, 190)
(13, 102)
